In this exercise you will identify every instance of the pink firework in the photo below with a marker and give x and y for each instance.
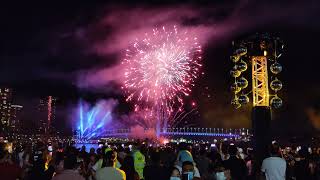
(160, 70)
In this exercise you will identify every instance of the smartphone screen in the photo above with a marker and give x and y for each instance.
(185, 177)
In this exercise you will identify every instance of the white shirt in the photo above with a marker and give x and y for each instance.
(97, 165)
(274, 168)
(68, 174)
(110, 173)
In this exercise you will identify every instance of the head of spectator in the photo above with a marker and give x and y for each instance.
(220, 172)
(155, 158)
(214, 155)
(92, 151)
(183, 146)
(303, 152)
(175, 175)
(275, 149)
(233, 150)
(187, 170)
(203, 152)
(83, 148)
(128, 163)
(128, 167)
(98, 151)
(109, 159)
(183, 157)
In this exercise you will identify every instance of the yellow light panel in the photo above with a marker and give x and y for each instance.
(260, 89)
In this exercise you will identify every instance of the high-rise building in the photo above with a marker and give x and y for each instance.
(15, 121)
(5, 106)
(47, 113)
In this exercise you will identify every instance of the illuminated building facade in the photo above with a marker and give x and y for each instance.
(5, 106)
(47, 114)
(15, 123)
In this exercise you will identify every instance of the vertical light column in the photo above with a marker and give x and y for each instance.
(49, 112)
(260, 89)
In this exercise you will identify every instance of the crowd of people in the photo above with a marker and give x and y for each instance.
(141, 160)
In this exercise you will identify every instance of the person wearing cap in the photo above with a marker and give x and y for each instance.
(183, 156)
(108, 170)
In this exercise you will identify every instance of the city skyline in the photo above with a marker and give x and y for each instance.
(12, 114)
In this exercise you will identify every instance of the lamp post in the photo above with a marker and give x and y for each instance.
(262, 51)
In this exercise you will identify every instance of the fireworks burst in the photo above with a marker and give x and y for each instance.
(160, 70)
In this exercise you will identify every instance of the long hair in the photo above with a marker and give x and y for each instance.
(109, 158)
(128, 167)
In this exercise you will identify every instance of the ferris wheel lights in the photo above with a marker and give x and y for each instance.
(241, 51)
(235, 103)
(234, 58)
(242, 66)
(235, 88)
(276, 85)
(242, 82)
(235, 72)
(276, 102)
(243, 99)
(258, 50)
(276, 68)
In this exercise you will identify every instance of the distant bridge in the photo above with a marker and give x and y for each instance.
(208, 132)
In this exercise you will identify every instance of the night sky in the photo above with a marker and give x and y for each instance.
(58, 48)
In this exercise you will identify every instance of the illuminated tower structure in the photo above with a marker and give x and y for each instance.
(47, 112)
(5, 108)
(15, 121)
(262, 52)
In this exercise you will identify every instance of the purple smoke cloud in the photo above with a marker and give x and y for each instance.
(125, 24)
